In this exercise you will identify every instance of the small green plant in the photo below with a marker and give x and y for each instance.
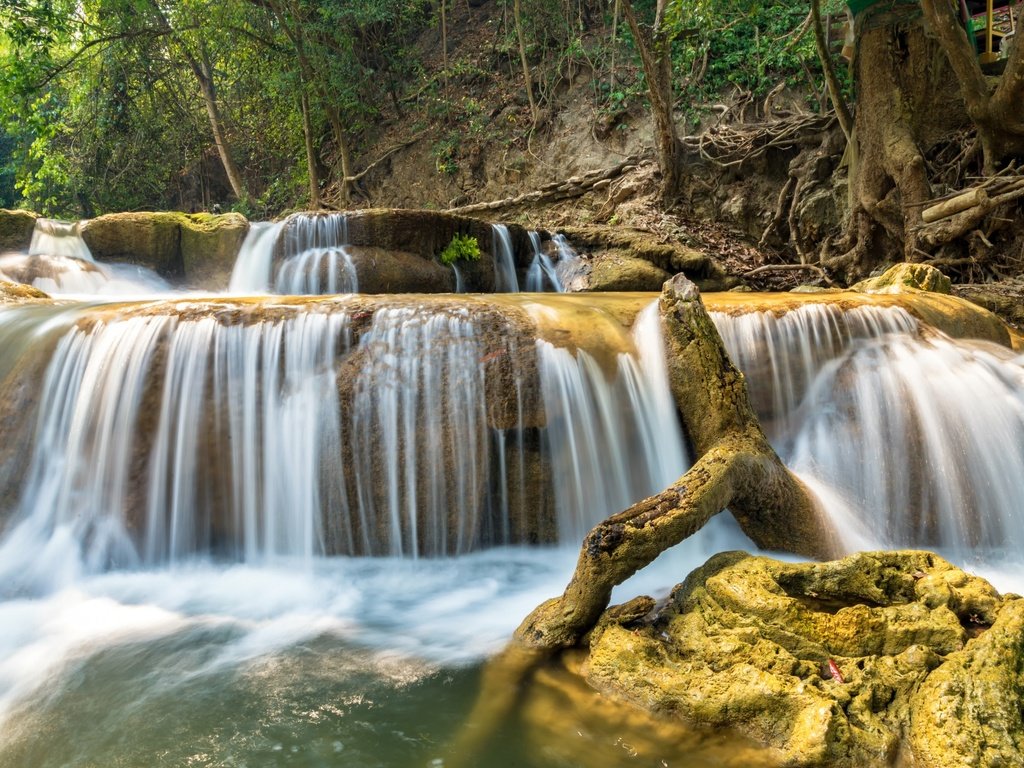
(461, 248)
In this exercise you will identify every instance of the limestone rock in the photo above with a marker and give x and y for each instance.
(672, 257)
(209, 247)
(831, 663)
(151, 240)
(622, 273)
(16, 229)
(905, 276)
(379, 270)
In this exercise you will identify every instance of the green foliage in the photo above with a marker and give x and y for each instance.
(461, 248)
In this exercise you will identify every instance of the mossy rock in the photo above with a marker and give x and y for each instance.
(16, 229)
(828, 663)
(596, 241)
(150, 240)
(904, 277)
(209, 247)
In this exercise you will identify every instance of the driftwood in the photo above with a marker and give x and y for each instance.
(735, 467)
(557, 190)
(960, 223)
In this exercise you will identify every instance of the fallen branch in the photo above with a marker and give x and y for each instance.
(558, 190)
(736, 467)
(381, 159)
(955, 226)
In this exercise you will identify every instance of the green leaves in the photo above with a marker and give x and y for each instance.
(461, 248)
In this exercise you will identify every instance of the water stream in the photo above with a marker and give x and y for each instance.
(286, 531)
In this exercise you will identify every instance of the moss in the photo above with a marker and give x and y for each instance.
(746, 642)
(902, 277)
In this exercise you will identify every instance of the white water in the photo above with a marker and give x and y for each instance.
(505, 278)
(313, 259)
(51, 237)
(593, 441)
(916, 441)
(541, 275)
(782, 354)
(254, 264)
(60, 264)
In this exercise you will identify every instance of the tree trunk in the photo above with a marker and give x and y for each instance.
(311, 162)
(904, 107)
(997, 115)
(204, 76)
(655, 56)
(835, 93)
(735, 468)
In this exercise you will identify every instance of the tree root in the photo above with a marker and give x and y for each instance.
(735, 468)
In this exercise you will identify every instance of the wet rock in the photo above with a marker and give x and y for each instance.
(16, 229)
(150, 240)
(830, 663)
(905, 276)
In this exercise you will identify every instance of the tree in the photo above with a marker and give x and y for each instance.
(908, 55)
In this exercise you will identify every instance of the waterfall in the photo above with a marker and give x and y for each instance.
(925, 438)
(60, 263)
(311, 254)
(505, 279)
(594, 443)
(541, 275)
(917, 437)
(569, 269)
(254, 263)
(781, 354)
(315, 259)
(51, 237)
(171, 432)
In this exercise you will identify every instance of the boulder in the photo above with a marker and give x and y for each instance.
(16, 229)
(379, 270)
(209, 247)
(622, 273)
(150, 240)
(838, 663)
(906, 276)
(594, 241)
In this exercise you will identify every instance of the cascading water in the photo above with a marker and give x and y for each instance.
(505, 278)
(541, 275)
(59, 263)
(315, 260)
(254, 264)
(311, 254)
(166, 436)
(918, 438)
(783, 353)
(591, 438)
